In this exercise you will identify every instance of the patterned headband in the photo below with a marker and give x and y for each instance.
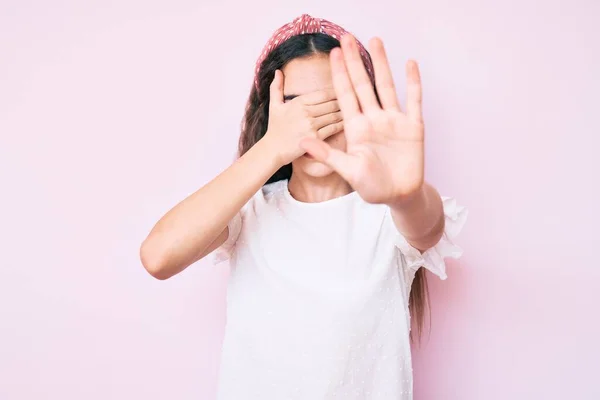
(303, 25)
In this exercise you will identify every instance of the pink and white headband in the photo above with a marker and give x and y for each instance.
(303, 25)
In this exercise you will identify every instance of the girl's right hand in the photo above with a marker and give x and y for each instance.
(315, 115)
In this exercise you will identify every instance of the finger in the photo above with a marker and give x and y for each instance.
(413, 91)
(317, 97)
(383, 76)
(342, 85)
(327, 119)
(363, 86)
(330, 130)
(343, 163)
(276, 88)
(323, 108)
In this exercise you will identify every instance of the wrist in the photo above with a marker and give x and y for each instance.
(269, 151)
(410, 201)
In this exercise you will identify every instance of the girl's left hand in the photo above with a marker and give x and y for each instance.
(384, 157)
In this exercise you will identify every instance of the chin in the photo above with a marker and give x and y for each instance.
(312, 168)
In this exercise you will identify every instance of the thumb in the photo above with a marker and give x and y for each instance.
(276, 89)
(343, 163)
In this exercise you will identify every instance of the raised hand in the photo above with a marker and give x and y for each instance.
(384, 157)
(314, 115)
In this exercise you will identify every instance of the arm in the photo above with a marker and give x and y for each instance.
(384, 157)
(420, 218)
(198, 225)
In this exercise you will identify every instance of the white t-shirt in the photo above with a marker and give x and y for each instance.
(317, 302)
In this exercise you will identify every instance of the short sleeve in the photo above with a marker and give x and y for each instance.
(433, 258)
(255, 204)
(224, 252)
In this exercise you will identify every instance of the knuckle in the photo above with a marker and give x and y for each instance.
(323, 132)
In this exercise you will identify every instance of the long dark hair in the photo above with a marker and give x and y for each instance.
(256, 118)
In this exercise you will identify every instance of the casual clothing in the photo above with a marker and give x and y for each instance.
(317, 304)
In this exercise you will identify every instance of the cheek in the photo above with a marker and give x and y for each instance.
(337, 141)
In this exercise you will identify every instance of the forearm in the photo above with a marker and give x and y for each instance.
(188, 229)
(420, 218)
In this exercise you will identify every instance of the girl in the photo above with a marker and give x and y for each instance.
(326, 221)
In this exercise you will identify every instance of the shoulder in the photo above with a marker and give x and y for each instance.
(265, 196)
(273, 188)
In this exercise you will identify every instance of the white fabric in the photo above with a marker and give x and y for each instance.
(317, 303)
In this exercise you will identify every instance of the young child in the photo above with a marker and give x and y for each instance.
(326, 221)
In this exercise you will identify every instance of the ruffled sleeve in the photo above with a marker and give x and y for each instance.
(433, 258)
(225, 251)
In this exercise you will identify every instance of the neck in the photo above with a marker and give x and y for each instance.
(309, 189)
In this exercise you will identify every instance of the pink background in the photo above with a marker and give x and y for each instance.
(112, 111)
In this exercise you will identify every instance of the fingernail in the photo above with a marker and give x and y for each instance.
(351, 42)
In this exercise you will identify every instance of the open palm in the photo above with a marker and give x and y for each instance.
(384, 157)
